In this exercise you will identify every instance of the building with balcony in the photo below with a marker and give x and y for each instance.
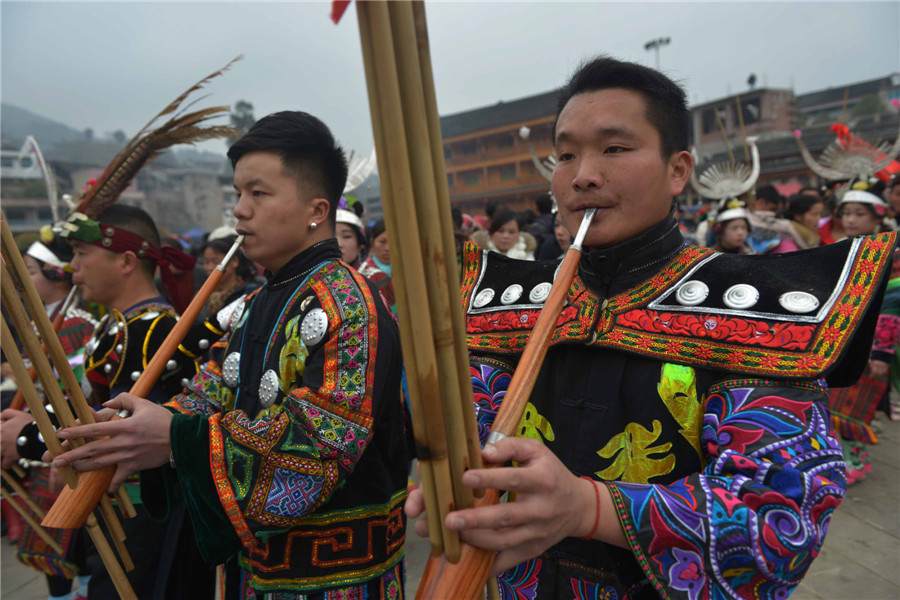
(486, 158)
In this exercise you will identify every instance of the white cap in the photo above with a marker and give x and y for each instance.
(349, 217)
(863, 197)
(731, 214)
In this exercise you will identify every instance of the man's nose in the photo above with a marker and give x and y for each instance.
(587, 176)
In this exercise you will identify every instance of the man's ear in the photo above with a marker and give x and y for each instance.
(320, 209)
(128, 261)
(680, 166)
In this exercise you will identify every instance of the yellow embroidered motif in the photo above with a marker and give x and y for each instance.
(535, 426)
(634, 462)
(292, 359)
(678, 390)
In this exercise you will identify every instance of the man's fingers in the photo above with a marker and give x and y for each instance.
(493, 517)
(517, 449)
(415, 503)
(92, 430)
(516, 479)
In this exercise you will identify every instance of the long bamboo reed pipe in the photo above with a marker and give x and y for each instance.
(407, 342)
(447, 235)
(428, 218)
(17, 312)
(420, 431)
(45, 426)
(53, 393)
(40, 531)
(73, 506)
(403, 236)
(466, 579)
(19, 400)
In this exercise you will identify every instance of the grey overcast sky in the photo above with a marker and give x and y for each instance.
(113, 65)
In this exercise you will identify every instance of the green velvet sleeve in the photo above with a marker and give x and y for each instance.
(216, 537)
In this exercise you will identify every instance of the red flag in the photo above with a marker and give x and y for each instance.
(337, 9)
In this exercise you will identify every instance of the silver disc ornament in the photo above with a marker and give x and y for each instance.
(798, 302)
(741, 296)
(268, 388)
(692, 293)
(314, 327)
(231, 369)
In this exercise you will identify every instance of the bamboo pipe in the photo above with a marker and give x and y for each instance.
(73, 506)
(466, 579)
(45, 371)
(48, 379)
(20, 491)
(440, 170)
(428, 217)
(19, 399)
(399, 210)
(40, 531)
(15, 311)
(420, 430)
(45, 426)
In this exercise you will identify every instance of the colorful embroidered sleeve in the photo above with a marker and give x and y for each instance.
(490, 379)
(887, 332)
(751, 523)
(272, 469)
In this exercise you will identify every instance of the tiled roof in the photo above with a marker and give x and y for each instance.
(502, 113)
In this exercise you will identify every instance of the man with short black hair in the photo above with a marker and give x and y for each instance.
(289, 447)
(677, 440)
(115, 258)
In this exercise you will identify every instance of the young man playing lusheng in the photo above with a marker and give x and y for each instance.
(677, 442)
(289, 446)
(115, 258)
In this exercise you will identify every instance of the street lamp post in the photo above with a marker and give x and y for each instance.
(656, 45)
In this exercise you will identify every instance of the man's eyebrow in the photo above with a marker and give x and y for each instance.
(250, 183)
(602, 132)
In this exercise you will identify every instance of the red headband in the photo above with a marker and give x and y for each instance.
(178, 289)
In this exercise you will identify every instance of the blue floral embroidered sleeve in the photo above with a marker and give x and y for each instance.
(750, 524)
(490, 379)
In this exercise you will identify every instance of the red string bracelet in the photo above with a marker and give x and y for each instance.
(597, 518)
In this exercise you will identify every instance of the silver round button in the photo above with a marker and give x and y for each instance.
(540, 293)
(740, 296)
(268, 388)
(692, 293)
(483, 298)
(231, 369)
(511, 294)
(135, 375)
(314, 327)
(798, 302)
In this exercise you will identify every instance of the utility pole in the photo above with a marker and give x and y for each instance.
(656, 45)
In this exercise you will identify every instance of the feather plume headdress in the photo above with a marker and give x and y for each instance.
(149, 143)
(182, 128)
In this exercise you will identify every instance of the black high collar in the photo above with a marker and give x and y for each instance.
(304, 262)
(609, 271)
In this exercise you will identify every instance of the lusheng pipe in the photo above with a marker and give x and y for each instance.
(466, 579)
(60, 316)
(74, 505)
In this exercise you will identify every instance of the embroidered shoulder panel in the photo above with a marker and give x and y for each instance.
(786, 316)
